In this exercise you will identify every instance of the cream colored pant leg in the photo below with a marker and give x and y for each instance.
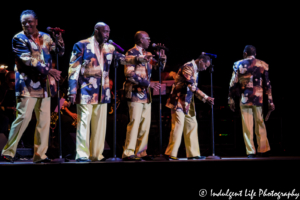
(137, 129)
(190, 133)
(143, 133)
(98, 131)
(24, 109)
(41, 135)
(84, 112)
(189, 126)
(247, 124)
(248, 112)
(260, 130)
(177, 119)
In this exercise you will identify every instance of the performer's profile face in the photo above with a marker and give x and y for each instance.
(29, 24)
(145, 40)
(102, 34)
(202, 65)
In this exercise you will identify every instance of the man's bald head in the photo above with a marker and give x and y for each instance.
(138, 35)
(101, 32)
(142, 39)
(99, 25)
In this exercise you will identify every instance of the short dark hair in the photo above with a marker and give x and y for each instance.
(250, 50)
(28, 12)
(204, 57)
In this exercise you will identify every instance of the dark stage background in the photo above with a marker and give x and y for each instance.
(188, 29)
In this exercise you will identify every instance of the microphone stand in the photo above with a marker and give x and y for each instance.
(60, 159)
(115, 158)
(213, 156)
(160, 157)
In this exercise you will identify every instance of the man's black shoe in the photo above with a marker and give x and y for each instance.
(265, 154)
(147, 157)
(46, 160)
(197, 158)
(131, 158)
(83, 159)
(251, 156)
(8, 159)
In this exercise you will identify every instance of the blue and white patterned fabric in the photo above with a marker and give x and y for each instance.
(89, 71)
(32, 64)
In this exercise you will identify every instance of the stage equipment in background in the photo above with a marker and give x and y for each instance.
(3, 68)
(211, 70)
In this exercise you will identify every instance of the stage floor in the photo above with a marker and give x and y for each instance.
(159, 160)
(159, 179)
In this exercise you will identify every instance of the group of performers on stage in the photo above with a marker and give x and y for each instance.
(88, 87)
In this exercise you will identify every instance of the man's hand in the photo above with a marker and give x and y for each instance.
(210, 100)
(55, 74)
(59, 37)
(232, 107)
(72, 98)
(148, 57)
(271, 107)
(161, 53)
(73, 115)
(155, 86)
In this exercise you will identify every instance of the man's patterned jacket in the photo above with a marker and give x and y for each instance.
(136, 86)
(184, 88)
(32, 64)
(249, 77)
(89, 71)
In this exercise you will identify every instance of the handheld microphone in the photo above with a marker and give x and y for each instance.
(210, 54)
(155, 46)
(49, 29)
(117, 46)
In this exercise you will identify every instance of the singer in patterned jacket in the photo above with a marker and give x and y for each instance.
(249, 79)
(35, 84)
(89, 88)
(181, 102)
(137, 92)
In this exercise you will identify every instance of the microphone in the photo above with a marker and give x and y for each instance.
(214, 55)
(117, 46)
(49, 29)
(155, 46)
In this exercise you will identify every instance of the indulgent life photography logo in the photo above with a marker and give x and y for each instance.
(250, 193)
